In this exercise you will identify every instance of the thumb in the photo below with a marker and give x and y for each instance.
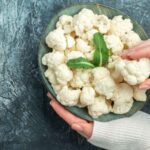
(85, 129)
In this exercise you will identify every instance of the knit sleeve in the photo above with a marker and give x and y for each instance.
(123, 134)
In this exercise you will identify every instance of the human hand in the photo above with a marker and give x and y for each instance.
(142, 50)
(81, 126)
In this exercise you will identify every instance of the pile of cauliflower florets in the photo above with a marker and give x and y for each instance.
(110, 88)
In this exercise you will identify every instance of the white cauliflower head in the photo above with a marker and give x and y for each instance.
(83, 21)
(90, 34)
(89, 55)
(74, 54)
(63, 74)
(83, 46)
(103, 82)
(70, 41)
(87, 96)
(81, 78)
(131, 39)
(120, 26)
(114, 43)
(56, 40)
(49, 73)
(100, 73)
(66, 23)
(53, 59)
(139, 95)
(102, 23)
(68, 96)
(99, 107)
(122, 98)
(122, 109)
(134, 72)
(105, 86)
(57, 87)
(116, 76)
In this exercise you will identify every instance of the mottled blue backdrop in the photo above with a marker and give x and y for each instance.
(26, 120)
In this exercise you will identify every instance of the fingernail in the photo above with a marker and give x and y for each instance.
(50, 102)
(77, 127)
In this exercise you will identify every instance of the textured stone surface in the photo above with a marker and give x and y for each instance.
(26, 120)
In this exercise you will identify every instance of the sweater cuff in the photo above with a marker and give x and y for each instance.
(100, 134)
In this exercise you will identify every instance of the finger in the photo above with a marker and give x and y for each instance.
(64, 114)
(140, 53)
(85, 129)
(145, 85)
(137, 52)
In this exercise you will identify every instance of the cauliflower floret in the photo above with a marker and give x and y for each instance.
(123, 93)
(68, 96)
(83, 21)
(56, 40)
(120, 26)
(53, 59)
(70, 41)
(91, 33)
(131, 39)
(103, 82)
(105, 86)
(81, 78)
(89, 55)
(63, 74)
(102, 23)
(87, 96)
(100, 73)
(66, 23)
(116, 76)
(122, 98)
(49, 73)
(114, 43)
(112, 61)
(134, 72)
(124, 108)
(139, 95)
(74, 54)
(57, 87)
(83, 46)
(99, 107)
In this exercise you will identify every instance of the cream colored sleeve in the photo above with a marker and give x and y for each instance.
(123, 134)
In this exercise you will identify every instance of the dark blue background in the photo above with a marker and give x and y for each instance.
(26, 120)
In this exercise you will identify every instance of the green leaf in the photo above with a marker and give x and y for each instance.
(101, 53)
(79, 63)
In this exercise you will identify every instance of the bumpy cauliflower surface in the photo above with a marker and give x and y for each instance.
(123, 98)
(74, 54)
(68, 97)
(56, 40)
(66, 23)
(99, 107)
(102, 23)
(112, 87)
(114, 43)
(83, 46)
(83, 21)
(131, 70)
(120, 26)
(53, 59)
(130, 39)
(63, 74)
(80, 79)
(87, 96)
(139, 95)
